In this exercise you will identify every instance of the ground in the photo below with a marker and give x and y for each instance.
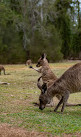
(9, 131)
(18, 115)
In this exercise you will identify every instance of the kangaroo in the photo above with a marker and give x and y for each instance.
(47, 75)
(28, 62)
(69, 82)
(2, 69)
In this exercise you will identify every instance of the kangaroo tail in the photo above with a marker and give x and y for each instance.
(72, 104)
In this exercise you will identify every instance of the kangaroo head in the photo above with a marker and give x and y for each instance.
(41, 60)
(43, 98)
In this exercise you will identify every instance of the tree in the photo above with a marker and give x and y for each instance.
(76, 37)
(11, 50)
(63, 24)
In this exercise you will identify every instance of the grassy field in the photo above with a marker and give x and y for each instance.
(16, 102)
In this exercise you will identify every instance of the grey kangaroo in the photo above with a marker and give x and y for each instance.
(69, 82)
(2, 69)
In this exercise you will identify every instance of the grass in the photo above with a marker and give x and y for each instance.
(16, 102)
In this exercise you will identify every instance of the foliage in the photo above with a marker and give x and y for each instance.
(76, 45)
(63, 22)
(11, 49)
(47, 43)
(29, 28)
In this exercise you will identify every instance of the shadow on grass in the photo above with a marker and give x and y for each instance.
(74, 111)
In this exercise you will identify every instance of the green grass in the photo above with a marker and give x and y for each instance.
(16, 102)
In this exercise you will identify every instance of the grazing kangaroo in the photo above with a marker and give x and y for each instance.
(2, 69)
(69, 82)
(28, 62)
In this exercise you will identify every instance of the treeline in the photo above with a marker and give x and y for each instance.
(31, 27)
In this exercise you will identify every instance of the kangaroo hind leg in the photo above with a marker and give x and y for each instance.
(65, 98)
(60, 102)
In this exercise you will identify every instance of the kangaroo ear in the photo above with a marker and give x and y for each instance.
(43, 56)
(44, 88)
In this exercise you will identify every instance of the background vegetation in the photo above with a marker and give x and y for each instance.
(30, 27)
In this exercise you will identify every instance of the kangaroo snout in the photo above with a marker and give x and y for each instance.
(38, 64)
(41, 108)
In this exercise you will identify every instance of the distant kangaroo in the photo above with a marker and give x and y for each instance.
(29, 62)
(69, 82)
(2, 69)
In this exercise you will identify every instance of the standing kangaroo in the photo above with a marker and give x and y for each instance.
(47, 75)
(2, 69)
(69, 82)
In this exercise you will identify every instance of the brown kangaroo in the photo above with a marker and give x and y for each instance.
(46, 73)
(2, 69)
(69, 82)
(28, 62)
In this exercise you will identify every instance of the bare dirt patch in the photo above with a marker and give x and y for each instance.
(71, 135)
(7, 130)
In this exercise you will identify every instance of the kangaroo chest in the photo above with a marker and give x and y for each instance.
(48, 75)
